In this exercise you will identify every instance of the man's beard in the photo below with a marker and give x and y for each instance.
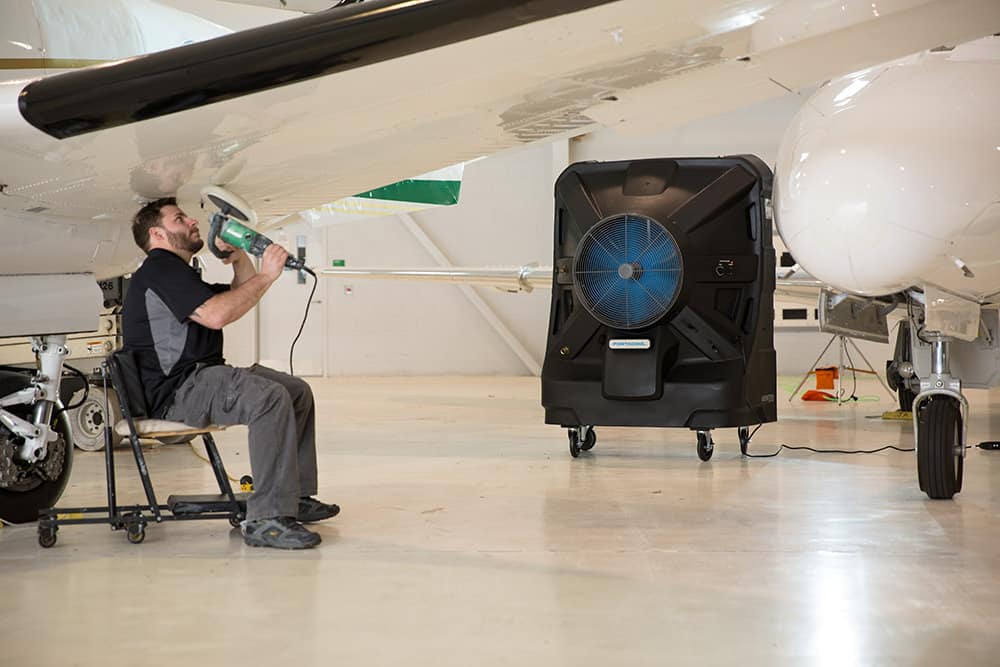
(184, 242)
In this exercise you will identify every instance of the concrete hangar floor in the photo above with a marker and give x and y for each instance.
(470, 537)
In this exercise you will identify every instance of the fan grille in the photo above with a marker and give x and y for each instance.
(628, 271)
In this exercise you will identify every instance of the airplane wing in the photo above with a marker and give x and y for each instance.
(307, 6)
(306, 111)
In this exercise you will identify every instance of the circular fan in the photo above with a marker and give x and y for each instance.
(628, 271)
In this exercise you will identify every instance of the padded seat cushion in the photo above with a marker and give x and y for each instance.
(155, 428)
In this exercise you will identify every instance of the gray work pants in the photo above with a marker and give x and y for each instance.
(280, 412)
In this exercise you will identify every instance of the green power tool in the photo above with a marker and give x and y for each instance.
(240, 236)
(222, 225)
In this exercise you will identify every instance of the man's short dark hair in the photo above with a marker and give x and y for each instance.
(147, 218)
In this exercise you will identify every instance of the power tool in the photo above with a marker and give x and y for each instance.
(222, 225)
(240, 236)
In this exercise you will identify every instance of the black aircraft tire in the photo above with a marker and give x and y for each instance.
(23, 506)
(940, 465)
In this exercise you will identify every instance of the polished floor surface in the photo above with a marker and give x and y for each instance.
(470, 537)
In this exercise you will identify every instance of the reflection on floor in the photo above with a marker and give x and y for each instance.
(470, 537)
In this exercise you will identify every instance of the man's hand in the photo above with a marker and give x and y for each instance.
(234, 252)
(272, 262)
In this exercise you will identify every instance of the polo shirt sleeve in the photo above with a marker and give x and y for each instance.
(182, 290)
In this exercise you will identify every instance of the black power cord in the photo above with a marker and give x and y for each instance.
(829, 451)
(86, 391)
(291, 350)
(75, 371)
(818, 451)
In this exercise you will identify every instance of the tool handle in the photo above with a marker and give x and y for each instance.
(214, 229)
(261, 242)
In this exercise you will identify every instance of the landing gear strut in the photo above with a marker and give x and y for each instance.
(899, 371)
(36, 441)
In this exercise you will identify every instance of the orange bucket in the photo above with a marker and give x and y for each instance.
(825, 377)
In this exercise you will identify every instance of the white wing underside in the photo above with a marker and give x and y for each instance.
(636, 65)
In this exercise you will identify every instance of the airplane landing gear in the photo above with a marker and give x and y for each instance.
(940, 413)
(36, 440)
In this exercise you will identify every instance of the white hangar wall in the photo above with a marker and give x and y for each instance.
(365, 327)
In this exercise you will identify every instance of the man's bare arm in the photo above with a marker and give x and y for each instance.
(230, 306)
(243, 268)
(227, 307)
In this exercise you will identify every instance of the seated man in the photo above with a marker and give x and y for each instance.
(173, 322)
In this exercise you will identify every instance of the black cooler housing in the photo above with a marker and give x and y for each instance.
(663, 295)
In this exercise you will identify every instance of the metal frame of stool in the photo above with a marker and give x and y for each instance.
(135, 518)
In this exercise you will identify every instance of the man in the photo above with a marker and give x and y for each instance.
(173, 322)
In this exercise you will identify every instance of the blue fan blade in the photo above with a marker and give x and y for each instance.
(653, 254)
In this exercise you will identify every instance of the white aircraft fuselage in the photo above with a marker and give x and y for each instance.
(889, 178)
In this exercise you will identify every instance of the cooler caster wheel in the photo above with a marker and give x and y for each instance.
(744, 435)
(246, 483)
(581, 439)
(47, 536)
(235, 521)
(705, 445)
(574, 443)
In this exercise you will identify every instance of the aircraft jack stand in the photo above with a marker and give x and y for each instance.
(843, 342)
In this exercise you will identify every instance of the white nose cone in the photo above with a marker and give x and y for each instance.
(882, 173)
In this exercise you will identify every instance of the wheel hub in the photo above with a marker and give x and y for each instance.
(92, 418)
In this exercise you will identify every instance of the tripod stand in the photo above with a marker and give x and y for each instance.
(843, 342)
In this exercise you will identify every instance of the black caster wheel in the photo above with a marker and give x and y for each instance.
(235, 521)
(136, 534)
(246, 483)
(589, 441)
(574, 443)
(744, 435)
(705, 445)
(47, 536)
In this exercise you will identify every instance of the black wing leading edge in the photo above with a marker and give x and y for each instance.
(250, 61)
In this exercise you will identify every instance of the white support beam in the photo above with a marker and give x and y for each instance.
(477, 301)
(560, 158)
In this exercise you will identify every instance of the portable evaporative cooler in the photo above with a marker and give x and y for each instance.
(663, 298)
